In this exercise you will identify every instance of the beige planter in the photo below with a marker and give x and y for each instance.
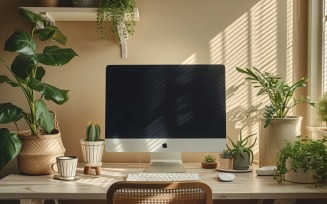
(92, 152)
(272, 138)
(38, 153)
(225, 163)
(300, 176)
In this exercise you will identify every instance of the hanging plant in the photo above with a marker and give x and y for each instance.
(120, 13)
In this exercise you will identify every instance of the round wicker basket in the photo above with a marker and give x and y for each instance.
(46, 3)
(39, 152)
(85, 3)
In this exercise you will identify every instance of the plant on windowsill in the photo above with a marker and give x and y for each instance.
(27, 73)
(322, 109)
(303, 161)
(226, 159)
(209, 162)
(120, 13)
(92, 148)
(242, 154)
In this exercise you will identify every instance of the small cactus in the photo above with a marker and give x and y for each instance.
(93, 131)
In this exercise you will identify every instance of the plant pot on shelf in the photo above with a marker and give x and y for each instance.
(38, 153)
(92, 153)
(85, 3)
(46, 3)
(272, 138)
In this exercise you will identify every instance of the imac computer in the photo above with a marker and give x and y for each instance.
(165, 110)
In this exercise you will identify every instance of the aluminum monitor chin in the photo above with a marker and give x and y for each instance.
(165, 108)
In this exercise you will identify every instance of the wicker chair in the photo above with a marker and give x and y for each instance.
(130, 192)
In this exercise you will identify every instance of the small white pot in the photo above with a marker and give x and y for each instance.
(92, 152)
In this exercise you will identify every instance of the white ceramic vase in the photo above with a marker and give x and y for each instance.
(272, 138)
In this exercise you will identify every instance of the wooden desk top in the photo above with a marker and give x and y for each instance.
(245, 185)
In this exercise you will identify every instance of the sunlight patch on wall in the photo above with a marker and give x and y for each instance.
(190, 60)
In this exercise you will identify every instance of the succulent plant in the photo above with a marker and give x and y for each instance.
(209, 158)
(93, 131)
(226, 154)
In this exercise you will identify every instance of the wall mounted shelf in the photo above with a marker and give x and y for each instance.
(53, 14)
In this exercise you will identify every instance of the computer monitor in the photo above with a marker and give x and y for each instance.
(167, 109)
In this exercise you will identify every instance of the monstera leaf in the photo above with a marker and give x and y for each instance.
(9, 146)
(9, 113)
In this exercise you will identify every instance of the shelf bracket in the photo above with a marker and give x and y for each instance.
(123, 39)
(48, 18)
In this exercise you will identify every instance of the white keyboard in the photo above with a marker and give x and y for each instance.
(162, 177)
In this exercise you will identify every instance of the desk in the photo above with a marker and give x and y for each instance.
(245, 186)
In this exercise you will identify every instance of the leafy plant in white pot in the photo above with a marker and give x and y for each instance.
(92, 148)
(38, 147)
(303, 161)
(276, 125)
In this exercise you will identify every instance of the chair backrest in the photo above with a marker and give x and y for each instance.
(131, 192)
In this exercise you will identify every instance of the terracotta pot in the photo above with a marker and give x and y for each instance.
(272, 138)
(209, 165)
(46, 3)
(38, 153)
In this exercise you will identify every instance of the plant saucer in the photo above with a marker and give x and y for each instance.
(57, 177)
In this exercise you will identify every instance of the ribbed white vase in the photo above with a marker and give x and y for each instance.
(92, 152)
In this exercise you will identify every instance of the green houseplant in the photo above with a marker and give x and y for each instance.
(120, 13)
(209, 161)
(27, 73)
(303, 161)
(92, 148)
(322, 108)
(278, 91)
(276, 125)
(242, 152)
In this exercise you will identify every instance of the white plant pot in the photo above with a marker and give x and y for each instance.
(272, 138)
(92, 152)
(300, 176)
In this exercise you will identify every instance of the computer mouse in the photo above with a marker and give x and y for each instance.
(226, 176)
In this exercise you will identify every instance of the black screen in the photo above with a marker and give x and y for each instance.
(165, 101)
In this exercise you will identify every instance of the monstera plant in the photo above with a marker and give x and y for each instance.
(27, 73)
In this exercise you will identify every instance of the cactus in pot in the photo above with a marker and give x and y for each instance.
(93, 131)
(92, 148)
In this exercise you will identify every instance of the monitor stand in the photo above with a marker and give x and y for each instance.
(165, 162)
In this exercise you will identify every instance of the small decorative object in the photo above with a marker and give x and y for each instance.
(47, 3)
(209, 162)
(242, 155)
(85, 3)
(303, 161)
(276, 126)
(92, 148)
(38, 147)
(120, 13)
(226, 159)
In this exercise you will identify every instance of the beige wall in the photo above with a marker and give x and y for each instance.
(233, 32)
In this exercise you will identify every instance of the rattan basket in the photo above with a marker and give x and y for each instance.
(38, 153)
(85, 3)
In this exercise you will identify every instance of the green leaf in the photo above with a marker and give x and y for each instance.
(9, 113)
(20, 42)
(30, 16)
(56, 56)
(9, 146)
(4, 78)
(50, 92)
(40, 72)
(22, 67)
(43, 115)
(52, 32)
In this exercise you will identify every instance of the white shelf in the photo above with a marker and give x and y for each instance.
(71, 13)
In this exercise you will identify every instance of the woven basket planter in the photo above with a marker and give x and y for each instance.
(38, 153)
(92, 152)
(85, 3)
(46, 3)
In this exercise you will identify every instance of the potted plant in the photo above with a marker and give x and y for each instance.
(226, 159)
(276, 126)
(92, 148)
(85, 3)
(120, 13)
(209, 162)
(303, 161)
(242, 154)
(41, 144)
